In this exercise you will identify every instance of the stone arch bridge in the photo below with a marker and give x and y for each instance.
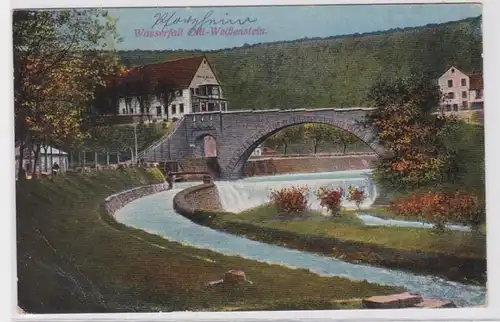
(238, 133)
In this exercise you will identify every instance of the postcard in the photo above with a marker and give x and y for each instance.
(248, 159)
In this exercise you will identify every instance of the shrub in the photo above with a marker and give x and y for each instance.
(155, 174)
(468, 209)
(174, 119)
(330, 199)
(290, 200)
(356, 195)
(442, 208)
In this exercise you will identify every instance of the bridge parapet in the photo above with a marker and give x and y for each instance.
(238, 133)
(335, 109)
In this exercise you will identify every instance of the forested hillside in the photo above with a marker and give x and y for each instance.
(335, 71)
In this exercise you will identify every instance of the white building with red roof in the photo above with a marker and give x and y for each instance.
(191, 83)
(461, 91)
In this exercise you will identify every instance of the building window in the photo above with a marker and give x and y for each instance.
(142, 110)
(178, 93)
(196, 108)
(203, 91)
(465, 105)
(464, 82)
(123, 111)
(211, 107)
(453, 70)
(203, 107)
(448, 107)
(197, 91)
(215, 90)
(174, 109)
(192, 91)
(464, 94)
(223, 106)
(181, 108)
(451, 95)
(450, 83)
(455, 107)
(158, 110)
(479, 93)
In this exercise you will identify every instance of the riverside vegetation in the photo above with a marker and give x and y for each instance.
(452, 254)
(73, 257)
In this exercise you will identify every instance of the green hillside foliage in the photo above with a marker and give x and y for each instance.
(335, 71)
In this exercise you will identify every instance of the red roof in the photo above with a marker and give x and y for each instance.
(476, 81)
(175, 73)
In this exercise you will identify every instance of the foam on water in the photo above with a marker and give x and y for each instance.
(240, 195)
(244, 194)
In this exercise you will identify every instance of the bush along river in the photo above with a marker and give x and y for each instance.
(155, 214)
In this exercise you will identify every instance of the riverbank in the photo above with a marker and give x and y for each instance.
(385, 213)
(282, 164)
(73, 257)
(273, 165)
(455, 255)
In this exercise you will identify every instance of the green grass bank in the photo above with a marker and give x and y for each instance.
(75, 258)
(455, 255)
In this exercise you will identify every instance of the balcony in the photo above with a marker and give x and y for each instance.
(209, 90)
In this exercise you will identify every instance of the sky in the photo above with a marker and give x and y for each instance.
(137, 26)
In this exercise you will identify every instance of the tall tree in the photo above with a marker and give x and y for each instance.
(345, 139)
(286, 136)
(318, 133)
(407, 127)
(324, 133)
(60, 57)
(164, 92)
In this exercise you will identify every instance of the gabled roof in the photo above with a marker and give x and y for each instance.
(452, 67)
(174, 73)
(475, 81)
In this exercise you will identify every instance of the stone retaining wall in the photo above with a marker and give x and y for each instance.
(203, 196)
(198, 203)
(272, 166)
(114, 202)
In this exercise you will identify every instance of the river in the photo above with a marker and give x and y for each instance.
(155, 215)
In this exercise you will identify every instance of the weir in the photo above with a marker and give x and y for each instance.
(240, 195)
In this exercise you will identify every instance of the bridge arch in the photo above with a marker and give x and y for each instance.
(237, 133)
(238, 157)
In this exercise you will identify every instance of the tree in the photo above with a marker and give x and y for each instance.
(136, 86)
(107, 98)
(284, 137)
(60, 57)
(318, 133)
(345, 139)
(415, 90)
(406, 126)
(164, 92)
(467, 159)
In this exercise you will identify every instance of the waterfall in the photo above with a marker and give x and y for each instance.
(240, 195)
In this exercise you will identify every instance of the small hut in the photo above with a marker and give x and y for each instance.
(48, 156)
